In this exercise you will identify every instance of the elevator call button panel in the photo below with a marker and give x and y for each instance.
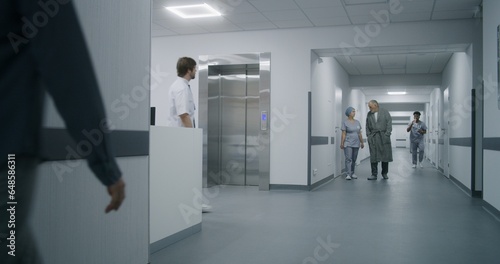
(263, 120)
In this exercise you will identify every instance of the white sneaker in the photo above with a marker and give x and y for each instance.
(348, 177)
(205, 208)
(414, 165)
(421, 165)
(354, 176)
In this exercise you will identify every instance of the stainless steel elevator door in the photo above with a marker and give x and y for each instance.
(233, 121)
(213, 132)
(252, 128)
(233, 125)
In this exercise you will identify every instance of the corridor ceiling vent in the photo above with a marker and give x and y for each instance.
(194, 11)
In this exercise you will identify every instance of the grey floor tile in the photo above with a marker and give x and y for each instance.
(417, 216)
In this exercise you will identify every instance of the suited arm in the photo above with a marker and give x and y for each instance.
(64, 66)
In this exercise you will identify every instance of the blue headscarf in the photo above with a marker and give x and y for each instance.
(348, 110)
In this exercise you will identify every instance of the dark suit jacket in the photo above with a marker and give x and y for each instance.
(42, 48)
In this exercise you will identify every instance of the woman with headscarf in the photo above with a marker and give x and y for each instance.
(350, 142)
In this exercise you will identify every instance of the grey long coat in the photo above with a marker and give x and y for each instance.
(378, 134)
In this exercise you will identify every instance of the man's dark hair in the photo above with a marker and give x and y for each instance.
(416, 113)
(184, 64)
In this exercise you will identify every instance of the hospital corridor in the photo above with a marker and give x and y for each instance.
(226, 131)
(416, 216)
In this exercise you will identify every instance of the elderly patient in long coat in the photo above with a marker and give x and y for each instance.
(378, 132)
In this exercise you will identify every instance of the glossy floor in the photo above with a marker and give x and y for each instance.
(417, 216)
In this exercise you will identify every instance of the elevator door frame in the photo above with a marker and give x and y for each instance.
(264, 61)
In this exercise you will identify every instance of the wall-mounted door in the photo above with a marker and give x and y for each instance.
(445, 135)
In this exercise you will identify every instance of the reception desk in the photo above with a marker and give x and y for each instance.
(175, 184)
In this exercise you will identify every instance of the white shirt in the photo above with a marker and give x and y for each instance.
(180, 100)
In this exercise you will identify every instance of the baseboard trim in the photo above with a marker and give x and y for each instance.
(461, 186)
(321, 182)
(494, 212)
(292, 187)
(165, 242)
(491, 210)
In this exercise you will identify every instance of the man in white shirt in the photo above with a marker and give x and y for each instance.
(180, 97)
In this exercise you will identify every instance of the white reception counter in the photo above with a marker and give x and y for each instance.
(175, 184)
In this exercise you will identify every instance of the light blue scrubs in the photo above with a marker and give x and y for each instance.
(351, 144)
(417, 141)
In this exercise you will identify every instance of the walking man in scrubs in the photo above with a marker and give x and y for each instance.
(417, 131)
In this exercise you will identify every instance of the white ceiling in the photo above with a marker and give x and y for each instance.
(395, 63)
(244, 15)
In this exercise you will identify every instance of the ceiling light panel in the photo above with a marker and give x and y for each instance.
(364, 2)
(396, 93)
(194, 11)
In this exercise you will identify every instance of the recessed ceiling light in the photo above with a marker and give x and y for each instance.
(364, 2)
(396, 93)
(194, 11)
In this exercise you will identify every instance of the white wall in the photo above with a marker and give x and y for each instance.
(491, 178)
(327, 78)
(458, 77)
(68, 215)
(290, 71)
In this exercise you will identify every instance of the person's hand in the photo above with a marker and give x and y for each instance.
(341, 146)
(362, 145)
(117, 193)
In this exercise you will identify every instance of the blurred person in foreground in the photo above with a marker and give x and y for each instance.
(42, 48)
